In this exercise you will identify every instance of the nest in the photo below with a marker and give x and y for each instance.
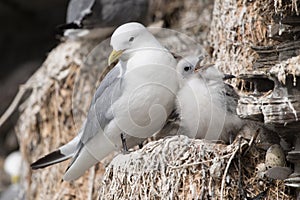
(182, 168)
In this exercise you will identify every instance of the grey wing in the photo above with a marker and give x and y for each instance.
(111, 13)
(108, 92)
(78, 9)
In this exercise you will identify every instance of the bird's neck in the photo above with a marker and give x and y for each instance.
(148, 46)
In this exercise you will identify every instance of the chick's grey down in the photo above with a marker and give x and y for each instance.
(206, 105)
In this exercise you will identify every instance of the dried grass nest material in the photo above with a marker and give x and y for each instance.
(182, 168)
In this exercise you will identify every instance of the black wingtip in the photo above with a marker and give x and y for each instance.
(228, 76)
(68, 26)
(59, 30)
(50, 159)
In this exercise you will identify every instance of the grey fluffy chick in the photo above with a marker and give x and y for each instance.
(206, 105)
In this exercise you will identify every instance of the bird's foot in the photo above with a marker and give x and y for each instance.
(123, 139)
(141, 145)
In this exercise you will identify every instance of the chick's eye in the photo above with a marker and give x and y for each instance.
(131, 39)
(187, 68)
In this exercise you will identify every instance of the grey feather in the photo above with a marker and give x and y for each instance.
(106, 13)
(78, 9)
(215, 79)
(231, 98)
(107, 93)
(214, 98)
(109, 90)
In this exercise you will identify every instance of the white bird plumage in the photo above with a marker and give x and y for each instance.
(206, 109)
(13, 166)
(135, 99)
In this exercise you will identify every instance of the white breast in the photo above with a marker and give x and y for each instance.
(149, 94)
(202, 110)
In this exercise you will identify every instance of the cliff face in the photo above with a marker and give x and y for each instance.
(233, 34)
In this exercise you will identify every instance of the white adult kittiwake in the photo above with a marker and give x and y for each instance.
(132, 102)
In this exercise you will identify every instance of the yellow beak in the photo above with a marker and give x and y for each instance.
(114, 55)
(14, 179)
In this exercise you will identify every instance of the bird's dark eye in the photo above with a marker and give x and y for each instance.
(187, 68)
(131, 39)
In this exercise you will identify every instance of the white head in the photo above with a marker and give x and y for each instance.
(13, 166)
(128, 37)
(186, 66)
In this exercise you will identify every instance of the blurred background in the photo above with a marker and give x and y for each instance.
(27, 35)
